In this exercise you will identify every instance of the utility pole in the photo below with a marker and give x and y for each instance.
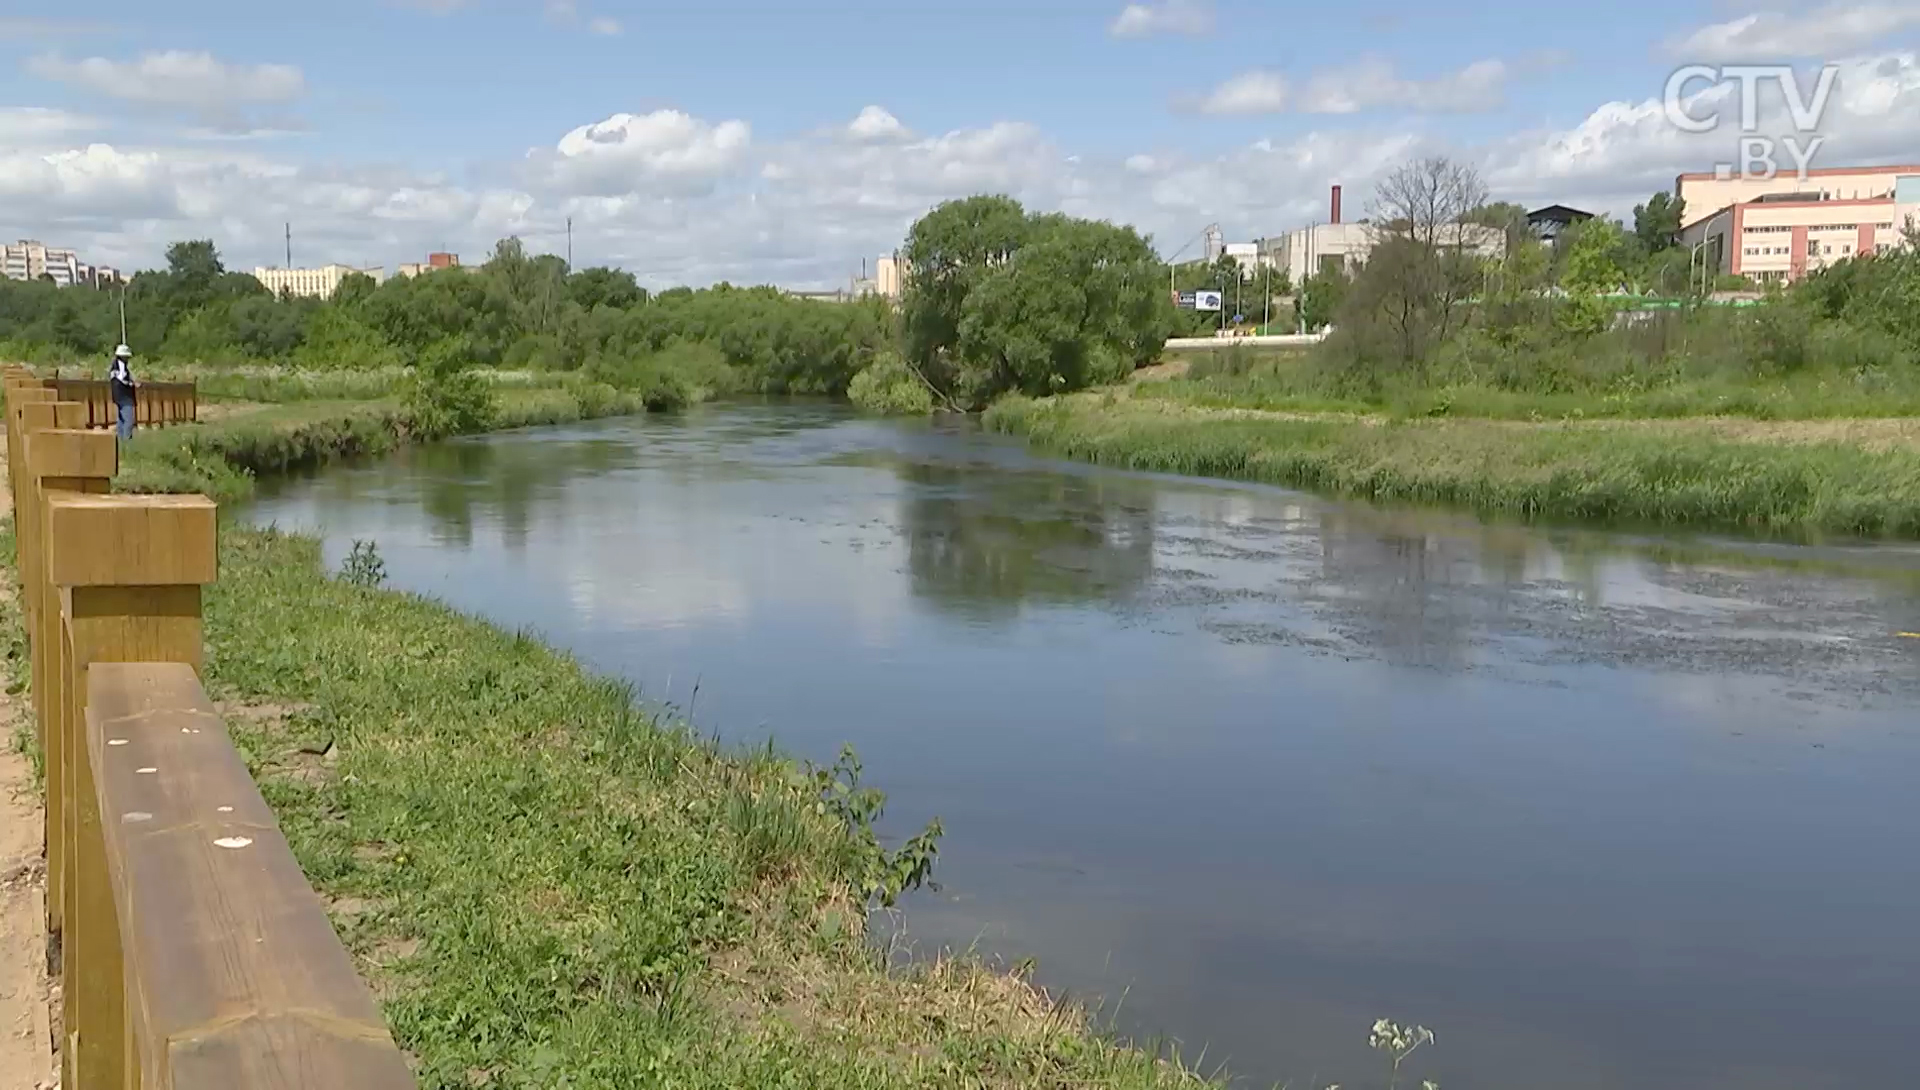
(289, 246)
(1266, 292)
(123, 312)
(569, 243)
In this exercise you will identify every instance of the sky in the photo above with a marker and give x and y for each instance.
(786, 141)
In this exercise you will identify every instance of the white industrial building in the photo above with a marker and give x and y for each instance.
(318, 283)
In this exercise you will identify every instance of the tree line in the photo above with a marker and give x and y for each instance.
(998, 299)
(517, 311)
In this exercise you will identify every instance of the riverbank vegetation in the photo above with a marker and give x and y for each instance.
(1779, 483)
(1539, 384)
(239, 442)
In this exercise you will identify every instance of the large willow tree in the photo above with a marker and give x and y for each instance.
(999, 300)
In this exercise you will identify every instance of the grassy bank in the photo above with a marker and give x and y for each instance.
(549, 887)
(223, 456)
(1536, 386)
(1642, 475)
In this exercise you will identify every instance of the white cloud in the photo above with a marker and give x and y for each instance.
(875, 123)
(1825, 33)
(1624, 150)
(1371, 83)
(197, 81)
(1156, 17)
(604, 26)
(34, 125)
(1256, 92)
(628, 151)
(675, 198)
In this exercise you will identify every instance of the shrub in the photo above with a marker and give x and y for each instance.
(338, 340)
(445, 397)
(889, 387)
(363, 566)
(594, 398)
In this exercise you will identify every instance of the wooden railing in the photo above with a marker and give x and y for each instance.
(191, 950)
(155, 404)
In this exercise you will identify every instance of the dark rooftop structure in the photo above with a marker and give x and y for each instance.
(1548, 222)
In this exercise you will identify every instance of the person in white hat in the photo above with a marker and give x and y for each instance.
(120, 384)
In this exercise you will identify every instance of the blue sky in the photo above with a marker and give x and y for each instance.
(760, 141)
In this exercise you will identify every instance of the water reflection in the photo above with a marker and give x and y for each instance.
(1272, 767)
(983, 545)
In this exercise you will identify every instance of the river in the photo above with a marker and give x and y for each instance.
(1253, 767)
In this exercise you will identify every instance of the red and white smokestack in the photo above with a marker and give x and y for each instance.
(1335, 212)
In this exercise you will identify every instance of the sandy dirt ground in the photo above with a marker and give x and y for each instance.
(26, 1060)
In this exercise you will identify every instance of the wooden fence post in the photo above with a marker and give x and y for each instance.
(34, 417)
(130, 569)
(18, 396)
(27, 403)
(61, 461)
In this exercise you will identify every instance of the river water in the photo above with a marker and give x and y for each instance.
(1251, 767)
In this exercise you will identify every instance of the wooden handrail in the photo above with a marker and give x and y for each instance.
(155, 404)
(235, 976)
(192, 951)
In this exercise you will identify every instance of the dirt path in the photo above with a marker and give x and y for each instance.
(26, 1060)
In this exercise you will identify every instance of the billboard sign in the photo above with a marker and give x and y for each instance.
(1184, 300)
(1207, 300)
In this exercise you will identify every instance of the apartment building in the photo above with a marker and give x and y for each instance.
(29, 259)
(1778, 230)
(318, 283)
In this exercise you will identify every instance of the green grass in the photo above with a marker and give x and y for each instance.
(13, 638)
(222, 458)
(547, 886)
(278, 384)
(1296, 380)
(1605, 474)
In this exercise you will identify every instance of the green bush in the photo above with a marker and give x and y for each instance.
(337, 339)
(445, 397)
(888, 386)
(594, 398)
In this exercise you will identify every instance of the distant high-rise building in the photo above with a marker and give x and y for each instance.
(1215, 243)
(31, 260)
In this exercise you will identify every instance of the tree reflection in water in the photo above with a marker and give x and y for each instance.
(982, 544)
